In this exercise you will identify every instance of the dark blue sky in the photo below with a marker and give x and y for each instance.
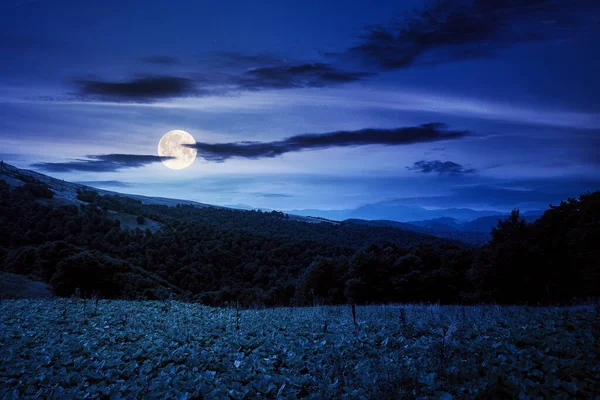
(484, 104)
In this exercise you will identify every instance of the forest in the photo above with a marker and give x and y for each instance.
(219, 256)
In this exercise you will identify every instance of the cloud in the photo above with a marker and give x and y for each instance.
(161, 60)
(441, 167)
(296, 76)
(101, 163)
(442, 31)
(449, 30)
(482, 196)
(271, 195)
(140, 89)
(219, 152)
(153, 88)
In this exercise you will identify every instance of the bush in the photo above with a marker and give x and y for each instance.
(37, 190)
(87, 195)
(90, 271)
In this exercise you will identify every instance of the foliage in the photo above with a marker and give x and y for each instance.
(87, 195)
(218, 256)
(215, 255)
(95, 274)
(151, 350)
(36, 190)
(555, 259)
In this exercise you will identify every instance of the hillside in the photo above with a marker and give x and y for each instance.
(158, 210)
(434, 229)
(213, 253)
(66, 192)
(114, 246)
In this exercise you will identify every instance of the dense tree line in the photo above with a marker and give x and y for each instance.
(555, 259)
(217, 256)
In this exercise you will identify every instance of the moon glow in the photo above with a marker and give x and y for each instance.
(170, 145)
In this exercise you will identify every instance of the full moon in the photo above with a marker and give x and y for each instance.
(170, 145)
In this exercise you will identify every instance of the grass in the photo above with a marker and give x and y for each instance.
(63, 349)
(13, 286)
(129, 221)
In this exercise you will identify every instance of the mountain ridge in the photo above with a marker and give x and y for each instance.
(402, 213)
(65, 192)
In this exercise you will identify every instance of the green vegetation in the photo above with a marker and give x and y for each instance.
(73, 348)
(218, 256)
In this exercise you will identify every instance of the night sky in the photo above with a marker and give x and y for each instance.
(309, 104)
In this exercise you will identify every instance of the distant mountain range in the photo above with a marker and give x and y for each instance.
(482, 224)
(477, 238)
(447, 217)
(477, 231)
(464, 224)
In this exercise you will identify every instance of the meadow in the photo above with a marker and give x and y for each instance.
(71, 348)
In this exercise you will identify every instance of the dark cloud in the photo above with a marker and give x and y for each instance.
(449, 30)
(140, 89)
(443, 31)
(220, 152)
(296, 76)
(154, 88)
(101, 163)
(161, 60)
(271, 195)
(440, 167)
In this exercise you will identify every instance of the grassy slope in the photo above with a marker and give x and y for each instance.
(61, 349)
(66, 192)
(130, 221)
(13, 286)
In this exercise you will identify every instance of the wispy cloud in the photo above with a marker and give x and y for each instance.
(270, 195)
(101, 163)
(139, 89)
(440, 167)
(150, 89)
(439, 32)
(489, 195)
(406, 99)
(449, 30)
(296, 76)
(219, 152)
